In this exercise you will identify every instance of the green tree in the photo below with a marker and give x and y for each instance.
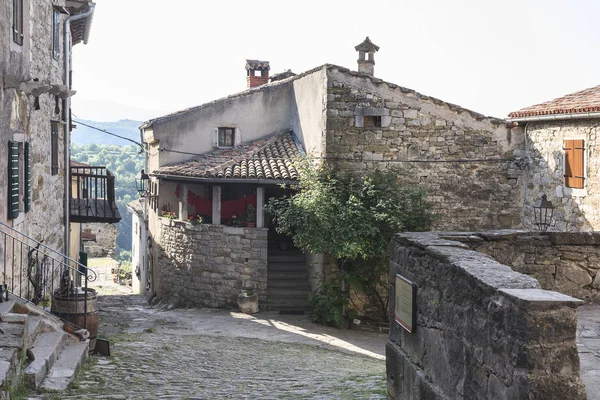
(352, 220)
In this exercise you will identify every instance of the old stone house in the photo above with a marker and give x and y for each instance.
(560, 158)
(216, 158)
(35, 125)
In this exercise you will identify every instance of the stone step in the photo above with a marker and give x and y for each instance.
(46, 348)
(11, 335)
(286, 293)
(288, 285)
(286, 273)
(7, 307)
(68, 363)
(286, 258)
(8, 365)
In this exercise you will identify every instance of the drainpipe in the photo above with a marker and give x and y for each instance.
(67, 114)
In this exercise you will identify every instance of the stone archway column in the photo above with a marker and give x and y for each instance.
(216, 205)
(260, 203)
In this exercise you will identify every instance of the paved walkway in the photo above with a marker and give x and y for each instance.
(588, 345)
(216, 354)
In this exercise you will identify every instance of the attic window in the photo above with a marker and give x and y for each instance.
(226, 137)
(372, 121)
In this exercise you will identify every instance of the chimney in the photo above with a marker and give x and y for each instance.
(366, 56)
(257, 73)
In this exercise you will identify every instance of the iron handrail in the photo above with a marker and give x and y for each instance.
(41, 274)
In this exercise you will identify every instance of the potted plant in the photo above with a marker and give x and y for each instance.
(169, 214)
(251, 216)
(195, 219)
(247, 301)
(235, 221)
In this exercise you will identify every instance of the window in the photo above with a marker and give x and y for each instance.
(55, 34)
(574, 163)
(18, 21)
(54, 148)
(226, 137)
(372, 121)
(19, 178)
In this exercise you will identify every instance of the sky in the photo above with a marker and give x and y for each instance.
(146, 58)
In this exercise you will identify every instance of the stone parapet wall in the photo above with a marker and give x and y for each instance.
(465, 160)
(568, 262)
(208, 265)
(483, 330)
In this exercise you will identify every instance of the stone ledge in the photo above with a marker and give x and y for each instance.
(541, 297)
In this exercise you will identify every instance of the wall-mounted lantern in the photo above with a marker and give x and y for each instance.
(142, 184)
(543, 210)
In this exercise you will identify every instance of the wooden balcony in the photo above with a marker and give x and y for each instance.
(93, 195)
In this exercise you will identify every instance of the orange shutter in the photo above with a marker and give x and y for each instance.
(574, 151)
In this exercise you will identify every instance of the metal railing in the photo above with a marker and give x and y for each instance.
(44, 277)
(93, 195)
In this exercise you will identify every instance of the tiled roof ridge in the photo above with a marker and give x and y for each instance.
(376, 81)
(582, 101)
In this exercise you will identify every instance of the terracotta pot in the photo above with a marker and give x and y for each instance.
(251, 224)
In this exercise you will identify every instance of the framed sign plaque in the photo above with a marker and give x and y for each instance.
(405, 310)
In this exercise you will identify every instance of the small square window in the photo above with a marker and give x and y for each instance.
(372, 121)
(226, 137)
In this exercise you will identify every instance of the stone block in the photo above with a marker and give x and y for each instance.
(412, 114)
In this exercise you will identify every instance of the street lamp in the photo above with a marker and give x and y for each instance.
(543, 211)
(142, 183)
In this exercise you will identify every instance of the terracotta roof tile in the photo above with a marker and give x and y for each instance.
(587, 100)
(268, 158)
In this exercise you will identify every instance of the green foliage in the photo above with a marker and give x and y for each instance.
(352, 220)
(125, 162)
(327, 304)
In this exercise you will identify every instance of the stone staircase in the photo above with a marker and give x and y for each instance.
(287, 282)
(35, 350)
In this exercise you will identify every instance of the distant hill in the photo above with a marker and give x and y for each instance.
(84, 135)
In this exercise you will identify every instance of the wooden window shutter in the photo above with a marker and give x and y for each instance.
(574, 163)
(27, 177)
(13, 180)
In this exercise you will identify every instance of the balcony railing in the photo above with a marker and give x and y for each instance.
(93, 195)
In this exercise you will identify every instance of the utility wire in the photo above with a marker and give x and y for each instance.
(458, 161)
(110, 133)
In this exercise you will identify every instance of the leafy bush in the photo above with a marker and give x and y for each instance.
(351, 219)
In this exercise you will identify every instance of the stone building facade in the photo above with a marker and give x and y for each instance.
(560, 159)
(465, 160)
(35, 66)
(105, 240)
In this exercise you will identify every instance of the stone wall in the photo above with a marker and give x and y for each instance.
(196, 272)
(566, 262)
(20, 121)
(575, 209)
(106, 240)
(483, 330)
(463, 159)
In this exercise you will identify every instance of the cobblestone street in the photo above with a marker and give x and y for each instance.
(217, 354)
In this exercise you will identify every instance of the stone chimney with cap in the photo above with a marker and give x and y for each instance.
(257, 73)
(366, 56)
